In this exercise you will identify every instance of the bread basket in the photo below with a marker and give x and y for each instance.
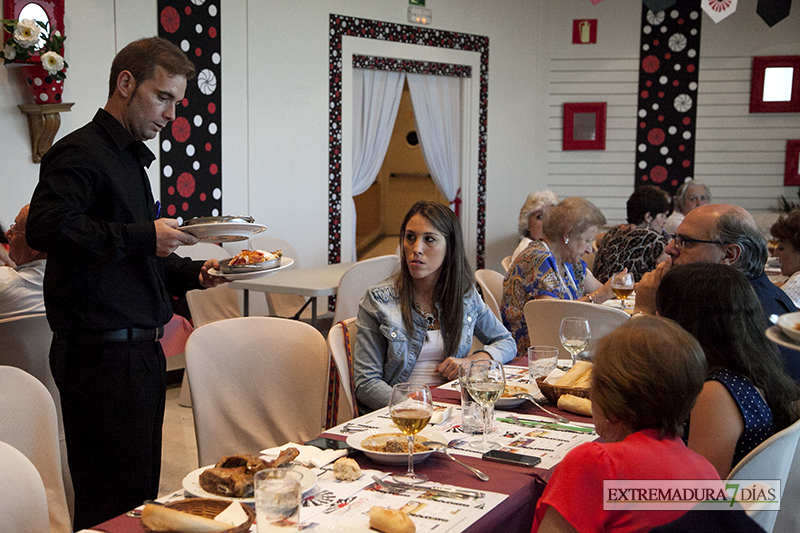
(208, 508)
(553, 393)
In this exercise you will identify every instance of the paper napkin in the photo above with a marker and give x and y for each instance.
(308, 454)
(440, 417)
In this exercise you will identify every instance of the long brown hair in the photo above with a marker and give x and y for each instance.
(455, 275)
(717, 305)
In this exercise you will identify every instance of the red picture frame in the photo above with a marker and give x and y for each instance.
(584, 126)
(760, 65)
(792, 172)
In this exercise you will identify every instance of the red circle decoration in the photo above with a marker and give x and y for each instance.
(645, 177)
(185, 102)
(656, 42)
(656, 136)
(198, 52)
(208, 147)
(188, 10)
(202, 197)
(642, 124)
(648, 83)
(658, 174)
(213, 169)
(212, 32)
(171, 190)
(171, 210)
(181, 129)
(675, 83)
(170, 19)
(689, 68)
(686, 163)
(650, 64)
(645, 94)
(681, 148)
(185, 206)
(667, 55)
(686, 121)
(661, 94)
(212, 107)
(661, 118)
(185, 185)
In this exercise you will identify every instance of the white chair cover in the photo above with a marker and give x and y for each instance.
(358, 278)
(26, 345)
(491, 283)
(23, 501)
(543, 318)
(772, 459)
(336, 343)
(29, 423)
(789, 518)
(256, 382)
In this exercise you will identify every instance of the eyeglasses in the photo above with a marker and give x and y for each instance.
(681, 241)
(14, 229)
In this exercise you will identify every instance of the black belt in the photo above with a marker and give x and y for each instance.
(117, 335)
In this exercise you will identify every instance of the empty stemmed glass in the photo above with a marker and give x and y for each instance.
(575, 335)
(486, 382)
(411, 407)
(622, 285)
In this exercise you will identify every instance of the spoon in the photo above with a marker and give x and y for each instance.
(534, 402)
(443, 448)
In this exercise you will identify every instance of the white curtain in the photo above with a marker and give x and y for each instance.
(437, 112)
(376, 97)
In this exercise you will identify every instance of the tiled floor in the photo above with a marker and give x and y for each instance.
(179, 449)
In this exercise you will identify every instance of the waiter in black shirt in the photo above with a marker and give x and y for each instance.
(109, 275)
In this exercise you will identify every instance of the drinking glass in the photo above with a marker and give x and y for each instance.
(471, 413)
(575, 335)
(541, 361)
(486, 382)
(411, 407)
(277, 495)
(622, 286)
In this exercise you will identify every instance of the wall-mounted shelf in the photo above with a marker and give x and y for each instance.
(43, 123)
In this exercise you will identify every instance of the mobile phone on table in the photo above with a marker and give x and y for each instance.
(512, 458)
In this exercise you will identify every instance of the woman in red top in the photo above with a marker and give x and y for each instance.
(646, 378)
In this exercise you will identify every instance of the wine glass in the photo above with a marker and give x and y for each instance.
(486, 382)
(622, 286)
(575, 335)
(411, 407)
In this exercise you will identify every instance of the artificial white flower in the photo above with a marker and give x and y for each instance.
(9, 52)
(52, 62)
(27, 33)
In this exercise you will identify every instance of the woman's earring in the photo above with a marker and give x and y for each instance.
(566, 241)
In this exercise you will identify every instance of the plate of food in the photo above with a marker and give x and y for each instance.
(391, 447)
(231, 479)
(222, 228)
(250, 271)
(790, 325)
(507, 399)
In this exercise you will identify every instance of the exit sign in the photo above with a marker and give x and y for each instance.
(420, 3)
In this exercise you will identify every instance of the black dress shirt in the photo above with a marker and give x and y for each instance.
(93, 213)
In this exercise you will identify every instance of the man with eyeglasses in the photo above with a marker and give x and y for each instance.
(21, 290)
(725, 234)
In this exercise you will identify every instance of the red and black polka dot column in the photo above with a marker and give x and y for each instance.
(667, 108)
(191, 147)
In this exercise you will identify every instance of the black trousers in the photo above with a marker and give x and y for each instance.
(112, 399)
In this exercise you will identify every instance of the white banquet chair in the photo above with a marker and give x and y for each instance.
(256, 382)
(28, 422)
(23, 501)
(341, 355)
(358, 278)
(506, 263)
(772, 459)
(491, 284)
(543, 318)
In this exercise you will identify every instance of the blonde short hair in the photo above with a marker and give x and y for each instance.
(573, 215)
(535, 201)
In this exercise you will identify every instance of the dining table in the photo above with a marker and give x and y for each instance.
(313, 282)
(521, 486)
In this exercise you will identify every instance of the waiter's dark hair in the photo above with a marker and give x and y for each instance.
(141, 57)
(455, 276)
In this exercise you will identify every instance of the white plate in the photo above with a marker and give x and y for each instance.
(776, 335)
(394, 458)
(286, 262)
(787, 323)
(191, 484)
(223, 231)
(514, 402)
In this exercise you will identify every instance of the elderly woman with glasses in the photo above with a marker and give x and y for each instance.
(787, 231)
(690, 195)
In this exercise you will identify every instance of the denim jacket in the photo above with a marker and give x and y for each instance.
(385, 352)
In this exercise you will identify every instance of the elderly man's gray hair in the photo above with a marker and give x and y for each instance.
(734, 227)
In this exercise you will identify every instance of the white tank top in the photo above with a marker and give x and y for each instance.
(430, 356)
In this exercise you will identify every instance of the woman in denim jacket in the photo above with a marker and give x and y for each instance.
(410, 323)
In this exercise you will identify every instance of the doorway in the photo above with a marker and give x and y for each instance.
(402, 181)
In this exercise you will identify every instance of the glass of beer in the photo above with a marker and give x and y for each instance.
(622, 286)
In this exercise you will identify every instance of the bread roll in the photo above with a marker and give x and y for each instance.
(160, 518)
(585, 381)
(346, 469)
(574, 373)
(575, 404)
(390, 520)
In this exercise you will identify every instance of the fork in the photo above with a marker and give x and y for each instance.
(534, 402)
